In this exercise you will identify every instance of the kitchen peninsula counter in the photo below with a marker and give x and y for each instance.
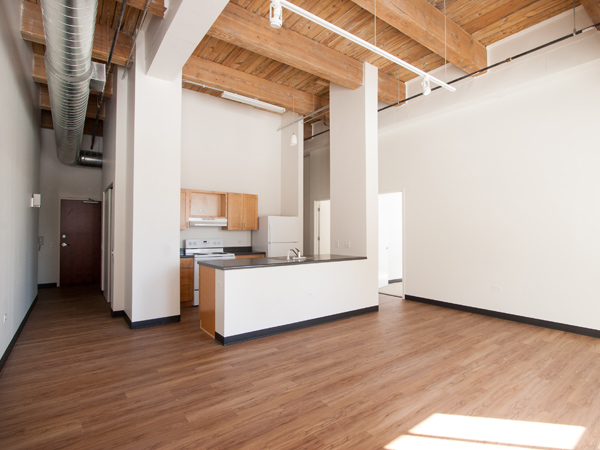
(230, 264)
(237, 305)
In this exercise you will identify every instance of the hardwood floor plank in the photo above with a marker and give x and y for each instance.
(78, 378)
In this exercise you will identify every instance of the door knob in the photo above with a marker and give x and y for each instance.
(63, 244)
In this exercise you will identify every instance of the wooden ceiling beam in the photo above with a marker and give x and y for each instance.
(32, 29)
(39, 75)
(211, 74)
(156, 8)
(92, 107)
(245, 29)
(592, 8)
(424, 23)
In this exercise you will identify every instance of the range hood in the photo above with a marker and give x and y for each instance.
(208, 221)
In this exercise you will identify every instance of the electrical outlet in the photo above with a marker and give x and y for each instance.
(337, 244)
(5, 317)
(496, 288)
(347, 244)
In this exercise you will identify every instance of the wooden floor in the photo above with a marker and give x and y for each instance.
(79, 379)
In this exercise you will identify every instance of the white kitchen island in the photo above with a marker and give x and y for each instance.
(248, 299)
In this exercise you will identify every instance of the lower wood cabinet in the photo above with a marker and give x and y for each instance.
(259, 255)
(186, 281)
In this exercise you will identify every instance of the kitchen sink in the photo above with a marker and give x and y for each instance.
(294, 259)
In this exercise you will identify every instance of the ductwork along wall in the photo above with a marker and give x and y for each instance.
(69, 28)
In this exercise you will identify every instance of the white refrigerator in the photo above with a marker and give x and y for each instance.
(276, 235)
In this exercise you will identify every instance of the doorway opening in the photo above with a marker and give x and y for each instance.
(322, 227)
(391, 278)
(80, 241)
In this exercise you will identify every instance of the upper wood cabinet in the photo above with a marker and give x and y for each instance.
(207, 204)
(242, 212)
(184, 214)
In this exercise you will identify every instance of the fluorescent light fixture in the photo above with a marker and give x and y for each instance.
(337, 30)
(252, 102)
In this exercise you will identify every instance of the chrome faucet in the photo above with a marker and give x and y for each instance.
(295, 251)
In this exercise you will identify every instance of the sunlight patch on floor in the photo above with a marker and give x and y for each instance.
(449, 432)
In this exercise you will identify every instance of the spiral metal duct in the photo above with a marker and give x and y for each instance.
(69, 28)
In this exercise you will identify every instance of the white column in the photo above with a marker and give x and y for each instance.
(354, 169)
(155, 166)
(354, 175)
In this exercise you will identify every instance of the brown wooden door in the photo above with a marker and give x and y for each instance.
(80, 242)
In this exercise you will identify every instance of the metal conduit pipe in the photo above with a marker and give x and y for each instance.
(69, 28)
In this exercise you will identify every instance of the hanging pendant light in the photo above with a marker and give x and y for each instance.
(294, 138)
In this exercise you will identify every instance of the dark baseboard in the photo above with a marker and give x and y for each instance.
(117, 313)
(293, 326)
(17, 334)
(46, 285)
(512, 317)
(151, 322)
(397, 280)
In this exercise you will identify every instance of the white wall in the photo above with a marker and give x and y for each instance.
(230, 147)
(59, 181)
(19, 174)
(501, 185)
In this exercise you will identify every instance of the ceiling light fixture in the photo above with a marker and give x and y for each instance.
(275, 4)
(252, 102)
(276, 14)
(425, 85)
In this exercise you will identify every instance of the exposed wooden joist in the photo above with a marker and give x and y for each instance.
(240, 27)
(39, 75)
(156, 8)
(592, 8)
(88, 127)
(425, 24)
(92, 107)
(32, 29)
(198, 70)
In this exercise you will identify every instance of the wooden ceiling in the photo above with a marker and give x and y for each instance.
(293, 66)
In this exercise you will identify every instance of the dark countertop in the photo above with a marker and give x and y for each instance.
(229, 264)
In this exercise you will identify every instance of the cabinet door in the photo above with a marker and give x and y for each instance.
(235, 212)
(184, 223)
(250, 212)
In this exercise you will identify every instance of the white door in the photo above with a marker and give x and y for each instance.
(390, 238)
(383, 271)
(322, 227)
